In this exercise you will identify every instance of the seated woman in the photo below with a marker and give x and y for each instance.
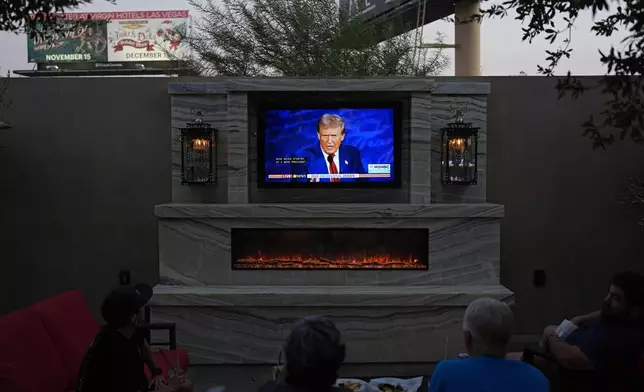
(314, 353)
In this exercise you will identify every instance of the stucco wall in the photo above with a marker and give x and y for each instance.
(80, 173)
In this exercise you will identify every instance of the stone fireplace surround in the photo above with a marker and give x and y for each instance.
(228, 316)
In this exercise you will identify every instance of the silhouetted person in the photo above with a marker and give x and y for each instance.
(608, 343)
(487, 328)
(314, 353)
(116, 358)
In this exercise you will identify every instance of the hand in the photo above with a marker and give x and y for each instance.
(278, 372)
(577, 320)
(549, 331)
(157, 381)
(176, 381)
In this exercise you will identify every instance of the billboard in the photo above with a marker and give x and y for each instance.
(368, 9)
(393, 17)
(107, 39)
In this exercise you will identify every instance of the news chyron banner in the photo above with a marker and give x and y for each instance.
(113, 37)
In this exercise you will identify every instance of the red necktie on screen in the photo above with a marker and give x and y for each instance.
(333, 169)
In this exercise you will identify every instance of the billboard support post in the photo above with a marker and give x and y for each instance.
(467, 37)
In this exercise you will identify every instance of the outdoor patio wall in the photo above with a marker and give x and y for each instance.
(80, 173)
(88, 159)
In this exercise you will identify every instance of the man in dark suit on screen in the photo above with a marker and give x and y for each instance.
(330, 156)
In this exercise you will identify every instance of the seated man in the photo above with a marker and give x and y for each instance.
(487, 327)
(314, 353)
(115, 359)
(611, 341)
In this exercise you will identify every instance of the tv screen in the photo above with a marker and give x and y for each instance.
(337, 147)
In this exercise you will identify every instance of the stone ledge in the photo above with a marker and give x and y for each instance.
(295, 84)
(326, 296)
(326, 211)
(460, 88)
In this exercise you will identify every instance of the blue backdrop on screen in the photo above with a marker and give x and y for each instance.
(288, 133)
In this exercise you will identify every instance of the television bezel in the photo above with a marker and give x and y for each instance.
(398, 129)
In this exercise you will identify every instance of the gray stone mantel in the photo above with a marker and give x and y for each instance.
(278, 296)
(327, 211)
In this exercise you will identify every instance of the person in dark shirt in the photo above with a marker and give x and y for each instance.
(314, 353)
(116, 358)
(610, 341)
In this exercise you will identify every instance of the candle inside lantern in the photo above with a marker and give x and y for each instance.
(458, 152)
(457, 143)
(200, 144)
(457, 147)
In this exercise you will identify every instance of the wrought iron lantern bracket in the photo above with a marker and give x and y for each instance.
(459, 152)
(198, 153)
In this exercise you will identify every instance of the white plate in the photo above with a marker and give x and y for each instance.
(409, 385)
(364, 386)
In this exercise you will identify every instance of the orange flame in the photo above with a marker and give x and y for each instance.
(200, 144)
(311, 262)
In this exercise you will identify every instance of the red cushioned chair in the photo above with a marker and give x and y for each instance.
(41, 347)
(71, 327)
(29, 361)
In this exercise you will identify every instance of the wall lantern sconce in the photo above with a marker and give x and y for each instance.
(459, 152)
(198, 153)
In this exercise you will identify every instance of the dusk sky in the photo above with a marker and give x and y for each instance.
(502, 51)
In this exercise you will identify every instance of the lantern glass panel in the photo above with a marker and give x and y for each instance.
(459, 154)
(198, 149)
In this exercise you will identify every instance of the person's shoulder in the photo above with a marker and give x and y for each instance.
(452, 365)
(312, 150)
(448, 373)
(140, 335)
(349, 150)
(530, 374)
(104, 338)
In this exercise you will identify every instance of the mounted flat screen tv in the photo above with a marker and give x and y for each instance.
(339, 146)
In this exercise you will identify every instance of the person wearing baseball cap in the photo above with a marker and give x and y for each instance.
(116, 358)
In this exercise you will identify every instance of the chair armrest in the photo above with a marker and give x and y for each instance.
(157, 326)
(529, 354)
(170, 360)
(170, 327)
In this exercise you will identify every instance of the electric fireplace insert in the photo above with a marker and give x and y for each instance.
(364, 249)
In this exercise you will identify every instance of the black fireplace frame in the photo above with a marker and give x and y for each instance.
(425, 250)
